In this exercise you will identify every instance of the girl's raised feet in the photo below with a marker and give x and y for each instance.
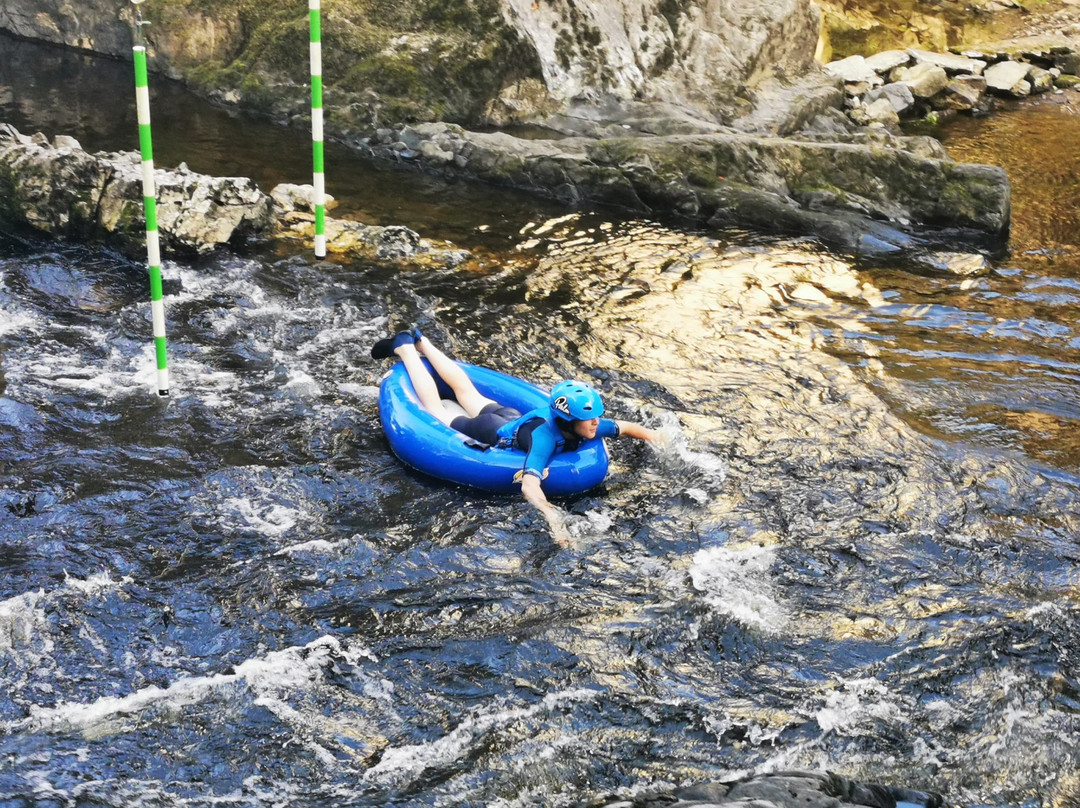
(384, 348)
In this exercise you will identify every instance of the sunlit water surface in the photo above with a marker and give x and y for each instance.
(857, 551)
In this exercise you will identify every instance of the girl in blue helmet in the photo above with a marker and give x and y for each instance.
(572, 416)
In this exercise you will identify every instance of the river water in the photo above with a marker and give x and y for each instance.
(858, 549)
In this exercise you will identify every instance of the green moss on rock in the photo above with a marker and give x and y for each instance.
(426, 59)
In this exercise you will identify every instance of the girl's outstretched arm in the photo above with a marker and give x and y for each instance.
(530, 489)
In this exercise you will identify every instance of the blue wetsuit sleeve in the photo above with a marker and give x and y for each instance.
(607, 429)
(540, 452)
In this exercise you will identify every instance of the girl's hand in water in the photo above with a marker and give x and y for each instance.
(556, 520)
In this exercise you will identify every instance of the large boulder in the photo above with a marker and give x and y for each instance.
(962, 93)
(698, 54)
(60, 189)
(925, 80)
(1008, 78)
(803, 185)
(885, 61)
(512, 60)
(949, 62)
(899, 96)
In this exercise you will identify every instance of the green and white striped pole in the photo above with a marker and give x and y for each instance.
(153, 251)
(319, 178)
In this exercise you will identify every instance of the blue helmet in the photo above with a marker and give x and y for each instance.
(575, 401)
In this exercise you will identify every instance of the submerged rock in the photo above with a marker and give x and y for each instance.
(953, 263)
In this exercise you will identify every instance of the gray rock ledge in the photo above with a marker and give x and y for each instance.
(865, 192)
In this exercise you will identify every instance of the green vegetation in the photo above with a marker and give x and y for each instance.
(427, 59)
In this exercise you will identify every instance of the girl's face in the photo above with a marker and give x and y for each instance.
(585, 429)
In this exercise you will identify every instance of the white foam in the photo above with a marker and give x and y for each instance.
(364, 391)
(674, 449)
(863, 701)
(226, 280)
(736, 583)
(335, 334)
(12, 322)
(313, 546)
(269, 519)
(20, 619)
(58, 366)
(295, 719)
(1044, 608)
(596, 522)
(301, 384)
(95, 584)
(212, 388)
(273, 676)
(383, 689)
(23, 623)
(408, 762)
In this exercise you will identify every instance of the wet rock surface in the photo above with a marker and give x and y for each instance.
(788, 789)
(863, 194)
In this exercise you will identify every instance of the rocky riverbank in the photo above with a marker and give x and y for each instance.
(720, 118)
(55, 187)
(864, 193)
(896, 84)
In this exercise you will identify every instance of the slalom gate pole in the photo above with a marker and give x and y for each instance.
(318, 177)
(153, 251)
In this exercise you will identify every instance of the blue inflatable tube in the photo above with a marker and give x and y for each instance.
(420, 440)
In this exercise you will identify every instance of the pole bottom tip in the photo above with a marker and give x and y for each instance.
(163, 393)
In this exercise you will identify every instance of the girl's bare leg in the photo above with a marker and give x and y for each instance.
(423, 383)
(470, 399)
